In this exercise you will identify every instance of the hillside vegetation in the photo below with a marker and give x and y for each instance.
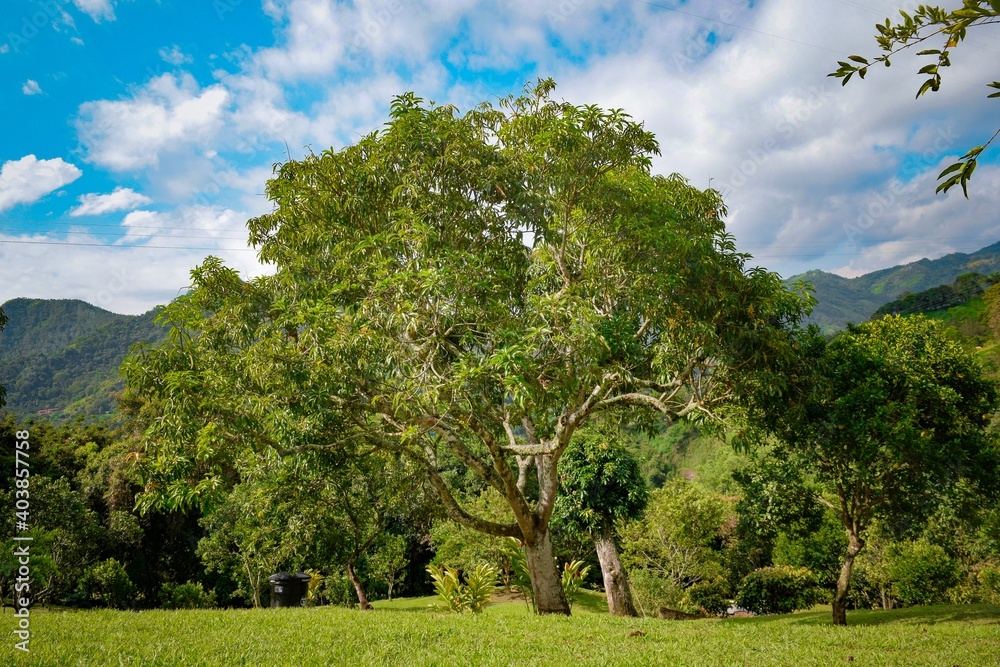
(841, 300)
(60, 357)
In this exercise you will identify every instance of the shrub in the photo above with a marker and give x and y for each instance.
(314, 590)
(472, 595)
(186, 596)
(779, 589)
(520, 578)
(107, 584)
(981, 585)
(650, 590)
(711, 597)
(921, 572)
(573, 575)
(480, 584)
(338, 589)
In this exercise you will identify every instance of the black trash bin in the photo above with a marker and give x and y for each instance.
(288, 590)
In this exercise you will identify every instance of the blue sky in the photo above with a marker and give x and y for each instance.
(140, 133)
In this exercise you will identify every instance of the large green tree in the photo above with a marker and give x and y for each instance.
(892, 412)
(470, 287)
(946, 29)
(602, 485)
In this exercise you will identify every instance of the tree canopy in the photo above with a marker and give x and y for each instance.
(950, 28)
(892, 412)
(463, 289)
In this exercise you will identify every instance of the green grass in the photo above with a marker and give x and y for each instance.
(408, 632)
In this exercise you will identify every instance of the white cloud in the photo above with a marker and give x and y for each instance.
(31, 87)
(29, 179)
(151, 267)
(168, 114)
(99, 10)
(748, 111)
(4, 48)
(76, 40)
(174, 56)
(122, 199)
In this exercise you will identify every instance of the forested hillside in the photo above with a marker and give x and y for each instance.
(60, 357)
(841, 300)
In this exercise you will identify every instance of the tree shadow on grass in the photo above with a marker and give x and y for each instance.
(973, 613)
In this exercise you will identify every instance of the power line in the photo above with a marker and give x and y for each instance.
(126, 247)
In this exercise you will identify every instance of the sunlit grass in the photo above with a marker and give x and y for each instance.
(411, 632)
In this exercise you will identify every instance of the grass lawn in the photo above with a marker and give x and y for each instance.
(408, 632)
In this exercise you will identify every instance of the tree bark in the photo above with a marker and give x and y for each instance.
(358, 588)
(546, 584)
(854, 546)
(615, 580)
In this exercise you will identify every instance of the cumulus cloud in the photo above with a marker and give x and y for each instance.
(99, 10)
(29, 179)
(167, 114)
(146, 268)
(122, 199)
(735, 90)
(31, 87)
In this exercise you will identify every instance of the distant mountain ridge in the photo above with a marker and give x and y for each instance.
(841, 300)
(60, 357)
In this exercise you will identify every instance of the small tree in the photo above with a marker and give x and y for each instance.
(678, 542)
(602, 485)
(891, 410)
(389, 561)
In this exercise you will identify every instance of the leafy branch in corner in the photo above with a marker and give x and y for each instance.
(926, 23)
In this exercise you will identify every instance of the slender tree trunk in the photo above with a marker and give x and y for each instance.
(854, 547)
(358, 587)
(615, 580)
(546, 584)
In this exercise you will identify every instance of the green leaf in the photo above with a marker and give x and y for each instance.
(951, 169)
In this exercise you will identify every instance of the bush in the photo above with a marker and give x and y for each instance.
(472, 595)
(106, 584)
(573, 575)
(779, 589)
(921, 572)
(711, 597)
(650, 590)
(338, 589)
(186, 596)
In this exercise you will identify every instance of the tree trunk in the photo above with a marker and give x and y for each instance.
(358, 588)
(615, 581)
(546, 584)
(854, 547)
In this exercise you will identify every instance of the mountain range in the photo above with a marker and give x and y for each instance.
(59, 358)
(841, 300)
